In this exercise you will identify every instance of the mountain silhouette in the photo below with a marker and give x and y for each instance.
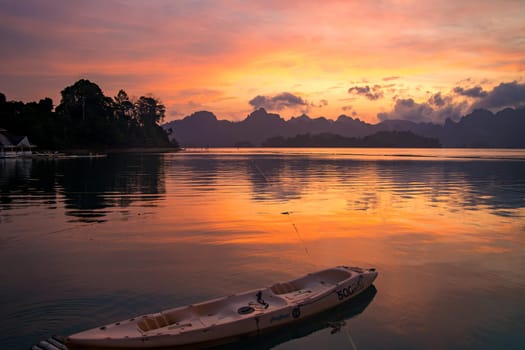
(481, 128)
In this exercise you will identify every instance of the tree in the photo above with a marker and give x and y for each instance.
(86, 114)
(86, 118)
(45, 105)
(84, 100)
(4, 114)
(124, 108)
(149, 110)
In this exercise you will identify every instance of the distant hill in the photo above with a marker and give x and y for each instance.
(481, 128)
(202, 129)
(383, 139)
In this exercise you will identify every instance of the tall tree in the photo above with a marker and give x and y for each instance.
(87, 113)
(84, 100)
(150, 111)
(124, 108)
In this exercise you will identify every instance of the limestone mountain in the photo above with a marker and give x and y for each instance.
(481, 128)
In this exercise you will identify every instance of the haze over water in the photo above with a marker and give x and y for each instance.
(85, 242)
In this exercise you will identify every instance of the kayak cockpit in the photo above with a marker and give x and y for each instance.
(328, 277)
(211, 312)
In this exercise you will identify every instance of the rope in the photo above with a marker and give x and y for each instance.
(287, 213)
(336, 327)
(261, 173)
(347, 332)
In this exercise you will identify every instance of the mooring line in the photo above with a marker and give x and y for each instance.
(287, 213)
(261, 173)
(347, 332)
(310, 259)
(71, 228)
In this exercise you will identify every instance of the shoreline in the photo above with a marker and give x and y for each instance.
(95, 151)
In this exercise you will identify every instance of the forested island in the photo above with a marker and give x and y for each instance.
(87, 119)
(382, 139)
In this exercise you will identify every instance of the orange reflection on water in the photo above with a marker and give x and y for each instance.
(323, 209)
(447, 237)
(326, 212)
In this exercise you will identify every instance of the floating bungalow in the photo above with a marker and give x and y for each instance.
(14, 146)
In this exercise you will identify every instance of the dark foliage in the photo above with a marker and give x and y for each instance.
(86, 118)
(403, 139)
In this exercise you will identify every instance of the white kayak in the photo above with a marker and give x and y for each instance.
(246, 313)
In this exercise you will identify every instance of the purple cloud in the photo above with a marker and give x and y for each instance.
(323, 103)
(278, 102)
(372, 93)
(440, 107)
(436, 110)
(437, 100)
(504, 95)
(390, 78)
(476, 92)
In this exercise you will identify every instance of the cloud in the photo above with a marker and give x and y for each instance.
(174, 114)
(349, 109)
(475, 92)
(390, 78)
(408, 109)
(322, 103)
(504, 95)
(459, 102)
(372, 93)
(278, 102)
(438, 100)
(436, 110)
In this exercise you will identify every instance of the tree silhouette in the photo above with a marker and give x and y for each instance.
(150, 111)
(86, 118)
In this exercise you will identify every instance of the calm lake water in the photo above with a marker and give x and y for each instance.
(84, 242)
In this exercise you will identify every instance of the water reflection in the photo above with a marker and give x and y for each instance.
(446, 234)
(458, 185)
(23, 182)
(88, 187)
(276, 178)
(239, 197)
(473, 184)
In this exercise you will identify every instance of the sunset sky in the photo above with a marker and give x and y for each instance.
(373, 60)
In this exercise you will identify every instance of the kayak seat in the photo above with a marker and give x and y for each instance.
(151, 322)
(284, 287)
(332, 276)
(311, 281)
